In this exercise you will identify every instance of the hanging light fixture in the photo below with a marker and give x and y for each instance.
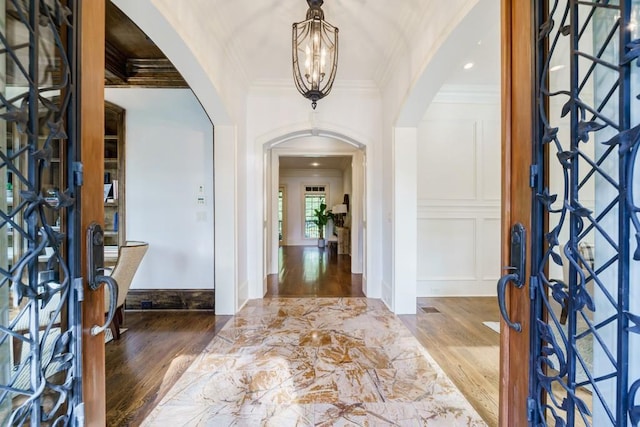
(315, 54)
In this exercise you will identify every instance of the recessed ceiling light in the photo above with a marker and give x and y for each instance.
(468, 65)
(556, 67)
(315, 164)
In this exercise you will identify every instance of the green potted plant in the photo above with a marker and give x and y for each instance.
(322, 217)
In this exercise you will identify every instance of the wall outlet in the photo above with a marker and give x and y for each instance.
(146, 305)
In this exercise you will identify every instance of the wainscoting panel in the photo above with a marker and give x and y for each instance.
(446, 249)
(490, 167)
(459, 194)
(448, 161)
(489, 250)
(456, 288)
(458, 248)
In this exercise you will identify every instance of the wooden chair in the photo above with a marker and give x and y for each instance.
(129, 258)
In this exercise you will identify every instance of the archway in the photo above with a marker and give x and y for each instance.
(315, 143)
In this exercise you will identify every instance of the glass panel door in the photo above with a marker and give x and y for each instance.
(39, 309)
(586, 249)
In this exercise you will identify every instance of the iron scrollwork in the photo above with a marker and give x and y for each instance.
(36, 104)
(591, 106)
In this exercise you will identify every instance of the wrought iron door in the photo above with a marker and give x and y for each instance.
(585, 282)
(40, 334)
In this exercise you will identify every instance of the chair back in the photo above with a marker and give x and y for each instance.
(129, 258)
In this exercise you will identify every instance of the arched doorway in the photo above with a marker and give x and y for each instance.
(353, 187)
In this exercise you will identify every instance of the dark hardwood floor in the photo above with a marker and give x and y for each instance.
(308, 271)
(159, 345)
(149, 358)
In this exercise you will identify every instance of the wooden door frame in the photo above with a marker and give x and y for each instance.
(517, 135)
(91, 116)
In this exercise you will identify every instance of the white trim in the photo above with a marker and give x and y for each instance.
(467, 94)
(270, 142)
(285, 200)
(452, 288)
(243, 289)
(301, 173)
(295, 131)
(387, 295)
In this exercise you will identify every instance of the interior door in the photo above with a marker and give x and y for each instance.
(43, 211)
(571, 163)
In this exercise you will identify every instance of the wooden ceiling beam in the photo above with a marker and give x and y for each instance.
(121, 71)
(115, 63)
(132, 59)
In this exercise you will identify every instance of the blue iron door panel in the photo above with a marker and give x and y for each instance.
(585, 279)
(40, 334)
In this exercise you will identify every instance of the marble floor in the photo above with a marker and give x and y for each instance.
(314, 362)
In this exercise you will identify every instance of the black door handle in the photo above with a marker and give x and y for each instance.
(518, 264)
(95, 255)
(502, 291)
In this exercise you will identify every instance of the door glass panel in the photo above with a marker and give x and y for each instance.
(582, 369)
(38, 373)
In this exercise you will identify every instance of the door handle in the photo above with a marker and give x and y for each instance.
(96, 278)
(517, 268)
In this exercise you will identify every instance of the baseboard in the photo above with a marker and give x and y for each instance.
(456, 288)
(387, 295)
(170, 299)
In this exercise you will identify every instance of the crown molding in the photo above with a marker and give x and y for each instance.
(309, 173)
(468, 94)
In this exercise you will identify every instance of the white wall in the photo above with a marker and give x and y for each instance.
(358, 111)
(459, 194)
(169, 154)
(295, 180)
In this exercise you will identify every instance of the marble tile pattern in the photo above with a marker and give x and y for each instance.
(314, 362)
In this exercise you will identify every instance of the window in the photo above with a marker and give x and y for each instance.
(281, 202)
(314, 196)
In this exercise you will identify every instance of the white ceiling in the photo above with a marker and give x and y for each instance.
(326, 162)
(259, 32)
(258, 35)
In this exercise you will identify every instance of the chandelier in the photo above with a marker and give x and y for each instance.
(315, 54)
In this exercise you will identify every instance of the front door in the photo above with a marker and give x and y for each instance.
(43, 323)
(572, 196)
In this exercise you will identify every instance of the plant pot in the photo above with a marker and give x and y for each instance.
(321, 243)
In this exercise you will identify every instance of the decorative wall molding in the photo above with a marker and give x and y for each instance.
(387, 294)
(468, 94)
(458, 206)
(243, 289)
(311, 173)
(464, 239)
(480, 211)
(170, 299)
(471, 288)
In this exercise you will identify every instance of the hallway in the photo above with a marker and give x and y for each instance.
(324, 361)
(309, 271)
